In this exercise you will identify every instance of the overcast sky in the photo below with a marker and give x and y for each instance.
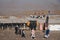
(8, 6)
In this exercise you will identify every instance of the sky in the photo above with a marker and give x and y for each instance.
(17, 6)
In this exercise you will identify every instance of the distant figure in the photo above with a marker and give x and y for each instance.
(22, 33)
(16, 29)
(37, 16)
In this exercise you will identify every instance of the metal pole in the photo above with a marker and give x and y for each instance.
(24, 25)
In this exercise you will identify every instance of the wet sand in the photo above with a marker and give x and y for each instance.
(10, 35)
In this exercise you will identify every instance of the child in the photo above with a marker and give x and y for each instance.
(33, 34)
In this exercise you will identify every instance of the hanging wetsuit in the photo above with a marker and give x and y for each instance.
(33, 25)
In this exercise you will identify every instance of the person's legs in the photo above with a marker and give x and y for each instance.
(33, 34)
(47, 33)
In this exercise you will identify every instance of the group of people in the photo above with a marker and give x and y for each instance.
(19, 31)
(33, 29)
(32, 26)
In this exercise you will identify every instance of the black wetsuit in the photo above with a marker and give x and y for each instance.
(33, 25)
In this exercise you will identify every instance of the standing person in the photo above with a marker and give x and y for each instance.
(16, 29)
(22, 33)
(47, 28)
(33, 25)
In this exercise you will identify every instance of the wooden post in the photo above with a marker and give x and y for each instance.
(2, 27)
(24, 26)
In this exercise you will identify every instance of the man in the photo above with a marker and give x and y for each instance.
(47, 28)
(16, 29)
